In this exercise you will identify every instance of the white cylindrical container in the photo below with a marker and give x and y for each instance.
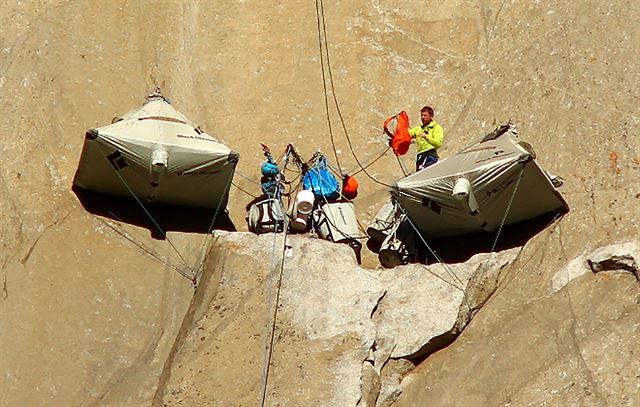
(304, 202)
(461, 189)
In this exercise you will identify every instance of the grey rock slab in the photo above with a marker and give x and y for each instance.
(325, 293)
(322, 332)
(328, 300)
(481, 286)
(423, 302)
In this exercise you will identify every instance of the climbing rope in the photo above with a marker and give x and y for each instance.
(506, 213)
(319, 11)
(404, 171)
(144, 248)
(508, 277)
(322, 33)
(246, 178)
(360, 169)
(243, 190)
(272, 316)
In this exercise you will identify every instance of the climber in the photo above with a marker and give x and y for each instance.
(429, 137)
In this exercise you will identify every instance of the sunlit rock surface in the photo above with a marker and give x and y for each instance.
(90, 305)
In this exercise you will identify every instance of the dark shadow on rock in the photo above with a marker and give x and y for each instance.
(434, 345)
(460, 248)
(169, 217)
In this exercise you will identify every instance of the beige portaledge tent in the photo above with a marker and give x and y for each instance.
(159, 155)
(493, 182)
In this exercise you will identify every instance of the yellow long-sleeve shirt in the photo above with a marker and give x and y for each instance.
(427, 137)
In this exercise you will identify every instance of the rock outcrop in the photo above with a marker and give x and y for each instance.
(91, 305)
(581, 353)
(322, 333)
(620, 257)
(337, 326)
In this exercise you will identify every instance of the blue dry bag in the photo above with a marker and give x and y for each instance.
(320, 181)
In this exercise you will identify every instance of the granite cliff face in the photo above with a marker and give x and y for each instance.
(92, 307)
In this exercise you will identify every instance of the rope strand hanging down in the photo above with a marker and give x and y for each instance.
(319, 10)
(322, 35)
(272, 318)
(198, 272)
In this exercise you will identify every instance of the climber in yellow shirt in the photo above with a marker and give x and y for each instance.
(429, 138)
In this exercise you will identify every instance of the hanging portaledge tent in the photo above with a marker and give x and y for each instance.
(473, 190)
(159, 155)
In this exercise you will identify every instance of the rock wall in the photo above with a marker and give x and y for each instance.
(322, 332)
(571, 346)
(295, 321)
(91, 305)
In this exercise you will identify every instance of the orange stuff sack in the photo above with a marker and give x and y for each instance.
(401, 140)
(349, 187)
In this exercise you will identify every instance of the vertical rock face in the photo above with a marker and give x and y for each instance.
(321, 336)
(90, 305)
(88, 322)
(337, 326)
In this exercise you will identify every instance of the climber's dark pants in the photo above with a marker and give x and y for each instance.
(425, 159)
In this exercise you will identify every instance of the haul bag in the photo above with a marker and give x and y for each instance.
(266, 216)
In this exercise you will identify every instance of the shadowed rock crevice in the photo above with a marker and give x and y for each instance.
(5, 290)
(616, 257)
(435, 344)
(626, 263)
(214, 269)
(421, 313)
